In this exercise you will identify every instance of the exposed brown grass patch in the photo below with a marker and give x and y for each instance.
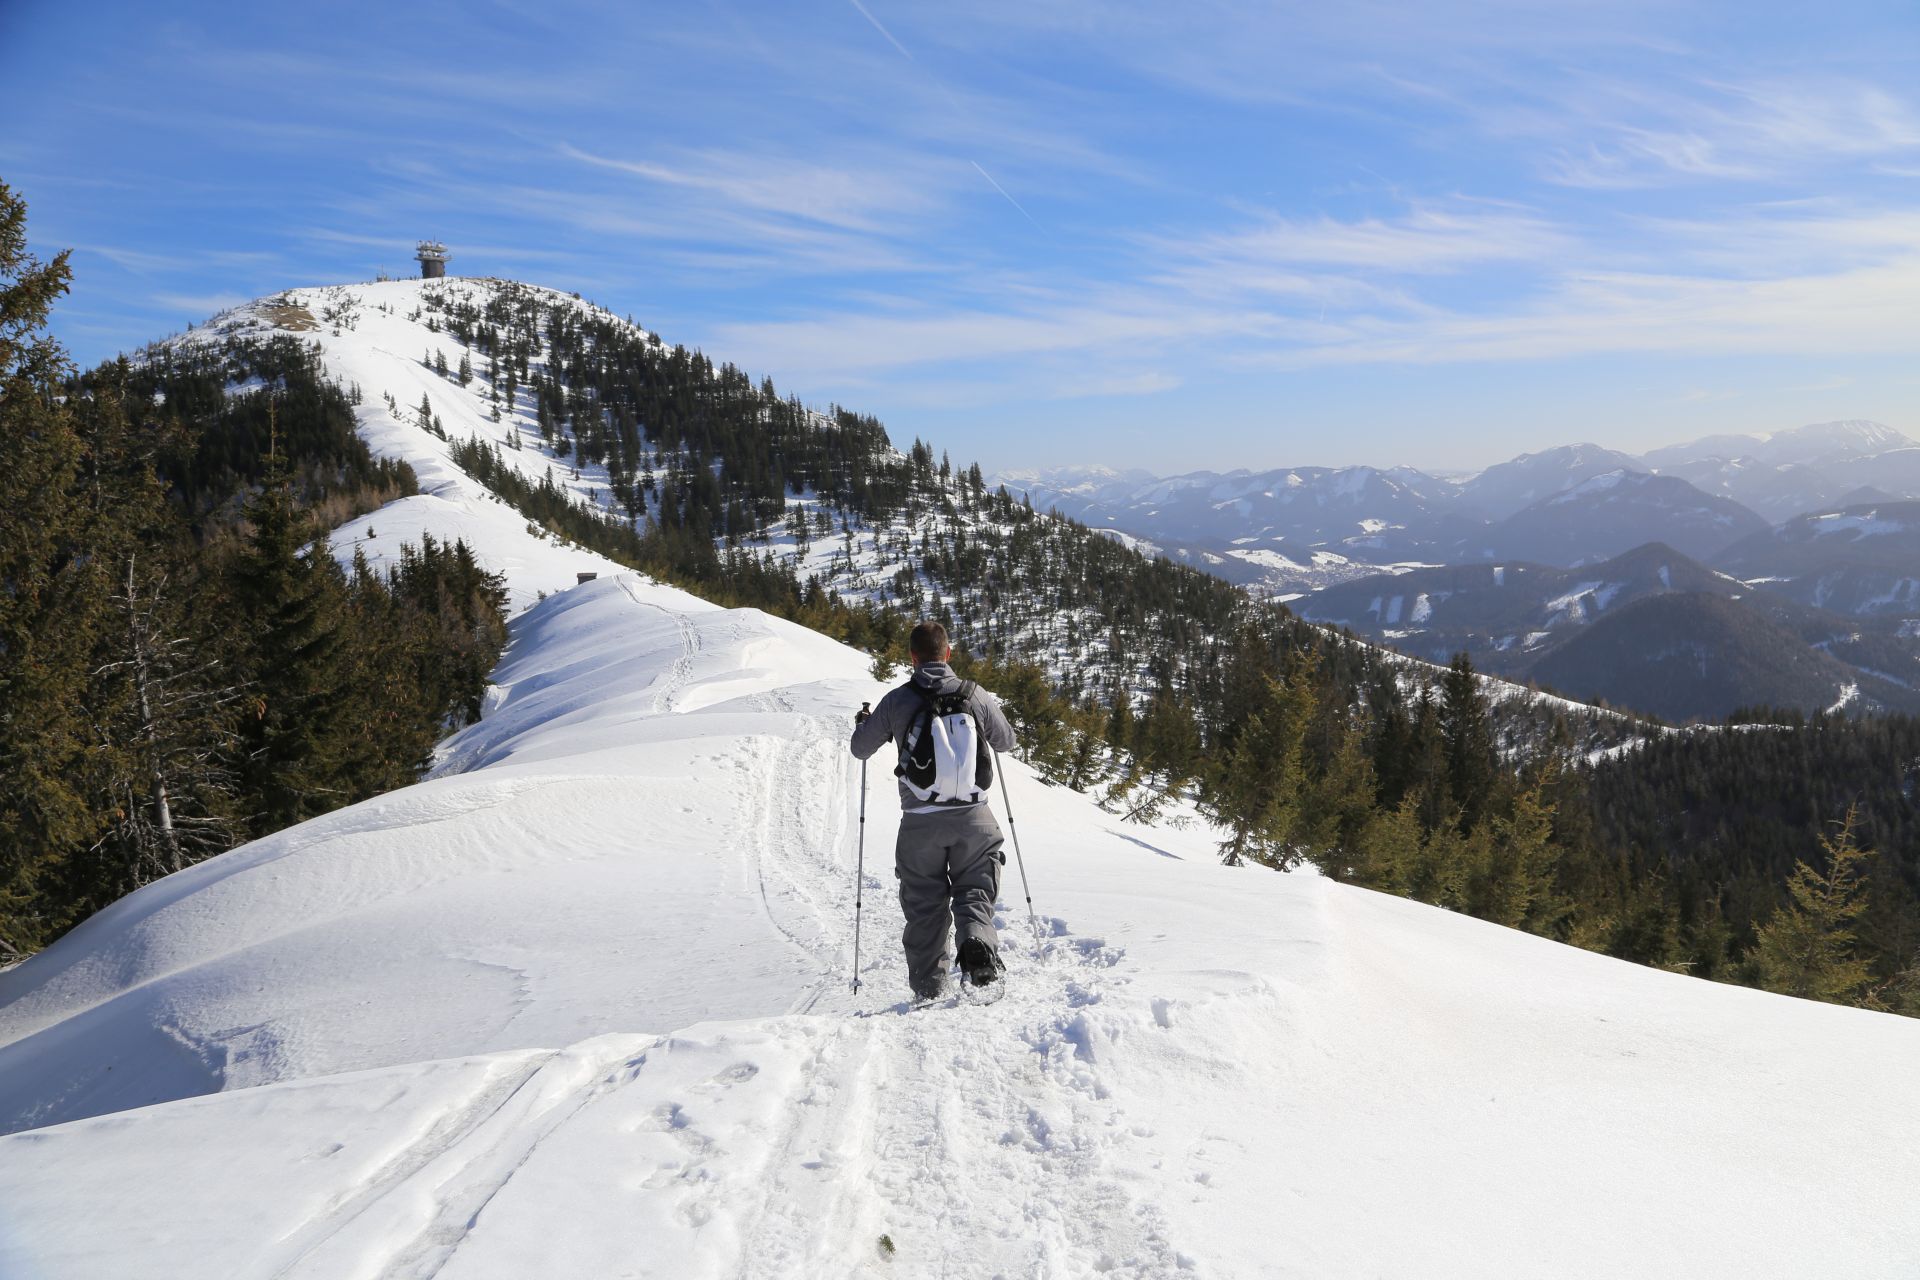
(289, 315)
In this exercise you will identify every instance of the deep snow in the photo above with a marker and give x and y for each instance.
(579, 1006)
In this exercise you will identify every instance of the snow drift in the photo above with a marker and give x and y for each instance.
(579, 1006)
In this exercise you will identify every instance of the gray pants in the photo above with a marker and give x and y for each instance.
(949, 868)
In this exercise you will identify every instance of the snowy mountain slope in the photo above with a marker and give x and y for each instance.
(1509, 487)
(1277, 532)
(1266, 529)
(1862, 560)
(1772, 492)
(445, 368)
(1514, 619)
(578, 1006)
(1789, 472)
(389, 342)
(1817, 444)
(1613, 512)
(372, 337)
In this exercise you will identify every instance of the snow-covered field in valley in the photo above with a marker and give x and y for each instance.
(579, 1006)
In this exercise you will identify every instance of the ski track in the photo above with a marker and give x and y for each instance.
(976, 1135)
(892, 1103)
(682, 670)
(883, 1128)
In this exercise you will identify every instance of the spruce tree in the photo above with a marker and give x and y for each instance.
(288, 595)
(1465, 725)
(45, 611)
(1807, 947)
(1257, 787)
(1519, 887)
(1341, 802)
(1390, 849)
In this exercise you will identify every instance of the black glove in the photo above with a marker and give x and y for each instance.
(866, 709)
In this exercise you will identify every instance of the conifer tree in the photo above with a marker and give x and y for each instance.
(1341, 802)
(1807, 947)
(289, 599)
(167, 731)
(1518, 890)
(1465, 726)
(1390, 849)
(1257, 787)
(44, 622)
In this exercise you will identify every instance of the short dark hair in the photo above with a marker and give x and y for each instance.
(928, 643)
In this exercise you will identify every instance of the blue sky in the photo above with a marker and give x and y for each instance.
(1210, 234)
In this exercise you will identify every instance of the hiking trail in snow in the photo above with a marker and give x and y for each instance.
(580, 1005)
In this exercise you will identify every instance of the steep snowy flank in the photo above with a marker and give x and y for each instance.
(578, 1006)
(373, 338)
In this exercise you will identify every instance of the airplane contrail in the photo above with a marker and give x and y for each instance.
(908, 55)
(1003, 191)
(882, 30)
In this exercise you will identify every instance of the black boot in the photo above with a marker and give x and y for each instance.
(979, 962)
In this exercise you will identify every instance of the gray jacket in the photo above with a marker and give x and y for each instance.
(897, 711)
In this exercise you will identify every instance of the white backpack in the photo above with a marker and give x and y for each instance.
(944, 758)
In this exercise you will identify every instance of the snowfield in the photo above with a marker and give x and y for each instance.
(579, 1006)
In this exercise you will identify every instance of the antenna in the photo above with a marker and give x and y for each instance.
(433, 259)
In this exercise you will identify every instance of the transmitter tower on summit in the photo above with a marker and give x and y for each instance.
(433, 259)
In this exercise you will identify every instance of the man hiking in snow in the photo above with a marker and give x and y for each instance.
(949, 854)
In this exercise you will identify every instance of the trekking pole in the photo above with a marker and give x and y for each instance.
(860, 876)
(1006, 796)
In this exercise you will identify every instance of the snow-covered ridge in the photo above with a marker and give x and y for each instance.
(579, 1007)
(389, 341)
(377, 338)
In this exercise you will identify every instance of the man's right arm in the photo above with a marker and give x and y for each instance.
(871, 734)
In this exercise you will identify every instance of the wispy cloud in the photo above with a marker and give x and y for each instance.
(148, 262)
(1867, 310)
(1003, 191)
(1629, 135)
(863, 343)
(1427, 239)
(195, 304)
(864, 199)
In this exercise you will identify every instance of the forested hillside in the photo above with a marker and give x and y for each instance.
(180, 668)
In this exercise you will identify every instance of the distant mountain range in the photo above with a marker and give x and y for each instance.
(1780, 569)
(1619, 630)
(1297, 529)
(1862, 560)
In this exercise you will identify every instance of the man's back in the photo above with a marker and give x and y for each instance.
(898, 711)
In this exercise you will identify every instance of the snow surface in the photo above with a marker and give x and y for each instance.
(578, 1006)
(1598, 484)
(1858, 524)
(368, 339)
(1266, 559)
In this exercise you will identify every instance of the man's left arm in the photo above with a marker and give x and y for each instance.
(999, 732)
